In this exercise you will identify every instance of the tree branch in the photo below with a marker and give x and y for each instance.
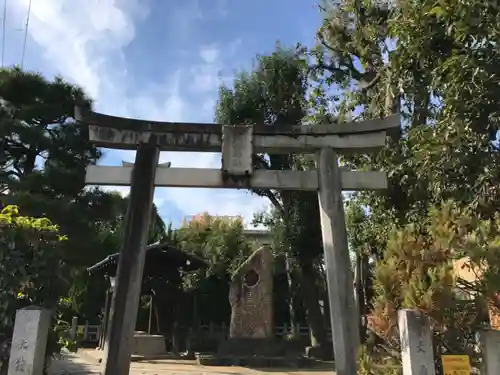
(373, 82)
(330, 67)
(11, 172)
(275, 202)
(347, 59)
(367, 79)
(261, 163)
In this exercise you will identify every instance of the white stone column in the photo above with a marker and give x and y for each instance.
(416, 343)
(490, 348)
(343, 312)
(29, 342)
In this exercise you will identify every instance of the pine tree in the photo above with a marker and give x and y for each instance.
(418, 271)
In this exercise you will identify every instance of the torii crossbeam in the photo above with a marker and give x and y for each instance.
(237, 143)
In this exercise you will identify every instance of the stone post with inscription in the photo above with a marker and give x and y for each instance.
(27, 353)
(490, 342)
(416, 343)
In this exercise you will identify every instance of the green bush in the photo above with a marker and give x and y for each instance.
(31, 273)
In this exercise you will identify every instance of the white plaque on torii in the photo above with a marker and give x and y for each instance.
(237, 150)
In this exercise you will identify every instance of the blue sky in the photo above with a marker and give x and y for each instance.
(158, 60)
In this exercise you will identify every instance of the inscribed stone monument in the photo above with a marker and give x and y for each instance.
(416, 343)
(27, 353)
(251, 297)
(490, 342)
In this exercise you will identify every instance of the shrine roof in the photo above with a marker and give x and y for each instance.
(159, 258)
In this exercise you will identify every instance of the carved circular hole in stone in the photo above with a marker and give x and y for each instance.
(251, 278)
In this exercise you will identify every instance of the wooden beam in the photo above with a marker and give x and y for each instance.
(212, 142)
(389, 124)
(213, 178)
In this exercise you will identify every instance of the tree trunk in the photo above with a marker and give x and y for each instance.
(310, 297)
(361, 294)
(368, 284)
(29, 163)
(291, 309)
(392, 96)
(358, 287)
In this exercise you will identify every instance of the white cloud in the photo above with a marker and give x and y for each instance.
(209, 54)
(84, 41)
(186, 14)
(73, 37)
(222, 8)
(205, 77)
(209, 105)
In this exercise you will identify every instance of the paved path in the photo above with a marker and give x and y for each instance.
(83, 364)
(76, 365)
(73, 365)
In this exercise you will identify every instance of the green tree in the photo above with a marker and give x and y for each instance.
(108, 210)
(37, 132)
(437, 66)
(352, 43)
(274, 94)
(111, 226)
(31, 271)
(220, 241)
(422, 58)
(43, 156)
(418, 272)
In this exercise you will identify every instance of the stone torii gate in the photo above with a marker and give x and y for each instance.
(237, 144)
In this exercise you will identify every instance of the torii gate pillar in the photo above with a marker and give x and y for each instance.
(343, 312)
(125, 302)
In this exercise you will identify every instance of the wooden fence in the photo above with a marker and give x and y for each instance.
(90, 333)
